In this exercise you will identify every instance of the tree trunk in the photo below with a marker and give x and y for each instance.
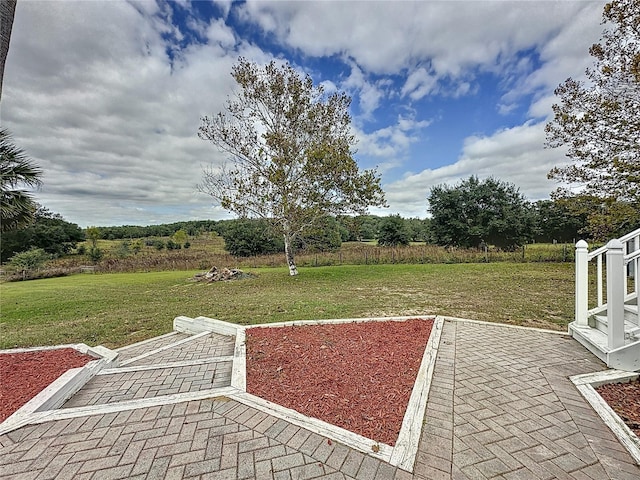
(288, 251)
(7, 14)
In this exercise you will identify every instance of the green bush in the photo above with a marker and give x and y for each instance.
(30, 260)
(246, 238)
(95, 254)
(393, 232)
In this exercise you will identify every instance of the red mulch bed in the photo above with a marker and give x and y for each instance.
(24, 375)
(624, 399)
(358, 376)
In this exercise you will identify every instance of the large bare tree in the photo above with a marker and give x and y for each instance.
(289, 153)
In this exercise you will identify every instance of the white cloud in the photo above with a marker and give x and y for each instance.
(91, 93)
(419, 83)
(329, 87)
(219, 33)
(369, 93)
(388, 37)
(225, 5)
(92, 96)
(563, 55)
(511, 155)
(388, 147)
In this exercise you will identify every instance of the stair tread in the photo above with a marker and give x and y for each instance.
(604, 321)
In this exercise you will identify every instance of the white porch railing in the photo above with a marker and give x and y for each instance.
(616, 263)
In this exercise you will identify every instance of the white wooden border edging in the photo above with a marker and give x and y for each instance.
(406, 448)
(103, 409)
(496, 324)
(61, 389)
(162, 366)
(239, 367)
(586, 386)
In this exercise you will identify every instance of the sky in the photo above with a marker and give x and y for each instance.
(107, 96)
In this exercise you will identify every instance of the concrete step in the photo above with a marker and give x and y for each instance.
(631, 328)
(592, 339)
(626, 357)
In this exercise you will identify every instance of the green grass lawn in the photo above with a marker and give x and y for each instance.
(119, 309)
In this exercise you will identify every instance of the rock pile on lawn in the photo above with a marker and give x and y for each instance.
(224, 274)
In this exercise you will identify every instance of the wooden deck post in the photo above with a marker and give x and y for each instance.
(582, 283)
(615, 293)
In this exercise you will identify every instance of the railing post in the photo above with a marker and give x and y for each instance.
(636, 277)
(582, 283)
(615, 293)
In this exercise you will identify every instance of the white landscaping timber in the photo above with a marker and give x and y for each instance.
(159, 366)
(81, 347)
(601, 378)
(624, 434)
(99, 351)
(494, 324)
(165, 347)
(338, 321)
(148, 340)
(35, 349)
(203, 324)
(406, 448)
(324, 429)
(239, 367)
(116, 407)
(54, 395)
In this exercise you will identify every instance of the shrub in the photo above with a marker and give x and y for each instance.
(29, 260)
(393, 232)
(95, 254)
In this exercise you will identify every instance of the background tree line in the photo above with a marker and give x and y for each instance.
(471, 214)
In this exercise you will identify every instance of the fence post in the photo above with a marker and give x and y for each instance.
(615, 293)
(582, 283)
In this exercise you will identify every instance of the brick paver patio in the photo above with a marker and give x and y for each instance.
(501, 406)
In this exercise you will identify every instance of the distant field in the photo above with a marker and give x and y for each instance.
(206, 242)
(207, 250)
(118, 309)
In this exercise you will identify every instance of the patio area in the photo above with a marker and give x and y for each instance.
(501, 405)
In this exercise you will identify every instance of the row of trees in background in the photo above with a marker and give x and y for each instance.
(478, 213)
(469, 215)
(472, 214)
(46, 231)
